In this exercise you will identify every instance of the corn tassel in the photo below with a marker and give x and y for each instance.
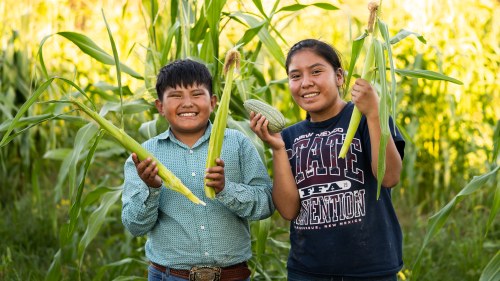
(170, 180)
(217, 135)
(367, 74)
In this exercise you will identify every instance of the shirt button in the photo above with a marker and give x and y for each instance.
(193, 174)
(206, 253)
(202, 227)
(190, 151)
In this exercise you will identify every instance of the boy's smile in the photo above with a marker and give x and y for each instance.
(187, 109)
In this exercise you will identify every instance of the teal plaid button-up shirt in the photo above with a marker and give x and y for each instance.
(182, 234)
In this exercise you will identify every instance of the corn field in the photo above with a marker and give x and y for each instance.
(61, 176)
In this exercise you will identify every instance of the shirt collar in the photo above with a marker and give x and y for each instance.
(169, 135)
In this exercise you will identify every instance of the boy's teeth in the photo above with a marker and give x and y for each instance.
(187, 114)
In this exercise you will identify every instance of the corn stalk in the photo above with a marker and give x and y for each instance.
(170, 180)
(367, 74)
(374, 57)
(374, 71)
(231, 64)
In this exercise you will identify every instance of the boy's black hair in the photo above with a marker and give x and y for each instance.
(183, 73)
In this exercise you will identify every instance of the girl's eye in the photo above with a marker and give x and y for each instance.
(316, 72)
(294, 76)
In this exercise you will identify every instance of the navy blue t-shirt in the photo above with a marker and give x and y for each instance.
(342, 229)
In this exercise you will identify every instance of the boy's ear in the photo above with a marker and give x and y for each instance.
(213, 101)
(159, 106)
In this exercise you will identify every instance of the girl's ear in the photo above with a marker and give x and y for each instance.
(339, 76)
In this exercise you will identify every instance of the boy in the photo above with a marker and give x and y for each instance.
(182, 237)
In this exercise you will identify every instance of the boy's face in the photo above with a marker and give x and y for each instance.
(187, 109)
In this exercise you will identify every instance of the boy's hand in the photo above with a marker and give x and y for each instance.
(216, 177)
(147, 171)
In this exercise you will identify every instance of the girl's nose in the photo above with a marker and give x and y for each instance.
(307, 81)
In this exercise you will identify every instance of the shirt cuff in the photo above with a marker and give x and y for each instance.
(154, 194)
(227, 194)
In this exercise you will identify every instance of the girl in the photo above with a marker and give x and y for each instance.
(338, 230)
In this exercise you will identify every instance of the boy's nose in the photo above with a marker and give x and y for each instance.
(187, 101)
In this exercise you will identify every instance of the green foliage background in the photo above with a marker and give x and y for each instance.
(61, 218)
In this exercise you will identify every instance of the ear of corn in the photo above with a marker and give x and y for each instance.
(277, 121)
(367, 74)
(170, 180)
(217, 135)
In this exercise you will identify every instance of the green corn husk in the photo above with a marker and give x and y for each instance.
(170, 180)
(231, 63)
(367, 74)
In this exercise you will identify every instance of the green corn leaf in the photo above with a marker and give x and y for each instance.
(437, 221)
(492, 270)
(117, 65)
(265, 37)
(384, 30)
(357, 46)
(383, 114)
(259, 6)
(83, 137)
(403, 33)
(25, 108)
(86, 45)
(54, 271)
(326, 6)
(75, 207)
(96, 220)
(297, 7)
(32, 121)
(250, 34)
(427, 74)
(262, 235)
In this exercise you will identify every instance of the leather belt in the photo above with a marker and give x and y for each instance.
(235, 272)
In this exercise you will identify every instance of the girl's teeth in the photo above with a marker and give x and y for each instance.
(310, 95)
(187, 114)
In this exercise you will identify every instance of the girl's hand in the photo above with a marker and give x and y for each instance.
(216, 176)
(258, 124)
(365, 97)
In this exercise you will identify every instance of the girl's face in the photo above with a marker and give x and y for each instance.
(314, 85)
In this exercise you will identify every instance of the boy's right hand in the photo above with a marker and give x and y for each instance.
(147, 171)
(258, 124)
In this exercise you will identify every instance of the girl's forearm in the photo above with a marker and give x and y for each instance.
(285, 193)
(393, 160)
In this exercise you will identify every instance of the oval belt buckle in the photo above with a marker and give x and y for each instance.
(205, 273)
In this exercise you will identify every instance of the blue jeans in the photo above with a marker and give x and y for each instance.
(156, 275)
(294, 276)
